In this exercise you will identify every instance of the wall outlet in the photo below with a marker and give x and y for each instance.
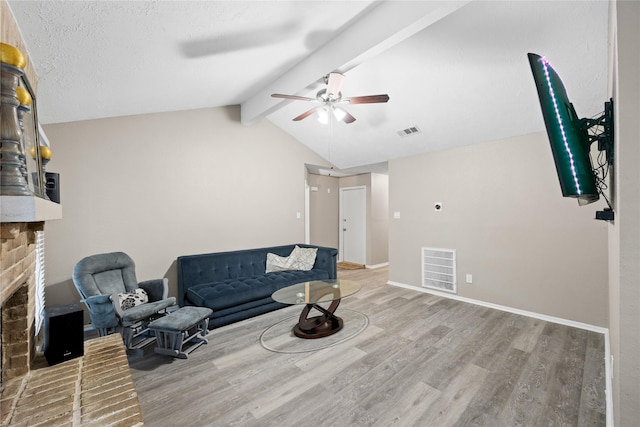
(437, 206)
(396, 215)
(469, 278)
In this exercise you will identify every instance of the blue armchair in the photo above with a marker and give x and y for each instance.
(101, 280)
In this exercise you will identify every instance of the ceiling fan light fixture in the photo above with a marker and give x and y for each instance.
(339, 113)
(323, 116)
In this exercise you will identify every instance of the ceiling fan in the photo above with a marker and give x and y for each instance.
(330, 99)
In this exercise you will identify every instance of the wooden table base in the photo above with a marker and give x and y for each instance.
(318, 326)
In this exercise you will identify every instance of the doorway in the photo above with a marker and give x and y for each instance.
(353, 224)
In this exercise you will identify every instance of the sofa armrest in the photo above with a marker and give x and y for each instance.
(326, 259)
(156, 289)
(102, 311)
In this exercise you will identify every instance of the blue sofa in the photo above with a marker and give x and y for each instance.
(235, 286)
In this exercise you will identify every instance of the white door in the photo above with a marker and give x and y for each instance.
(353, 224)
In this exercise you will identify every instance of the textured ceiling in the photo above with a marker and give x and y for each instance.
(100, 59)
(456, 70)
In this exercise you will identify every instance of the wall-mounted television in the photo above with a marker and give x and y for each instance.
(571, 137)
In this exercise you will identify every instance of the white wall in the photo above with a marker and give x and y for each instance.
(526, 246)
(163, 185)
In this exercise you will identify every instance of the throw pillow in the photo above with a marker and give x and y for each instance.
(131, 299)
(277, 263)
(303, 258)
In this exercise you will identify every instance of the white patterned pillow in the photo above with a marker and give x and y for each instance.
(303, 258)
(131, 299)
(277, 263)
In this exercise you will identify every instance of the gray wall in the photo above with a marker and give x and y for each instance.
(377, 193)
(325, 212)
(526, 246)
(324, 207)
(163, 185)
(378, 221)
(624, 236)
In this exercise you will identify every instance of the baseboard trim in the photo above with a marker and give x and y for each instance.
(535, 315)
(546, 318)
(383, 264)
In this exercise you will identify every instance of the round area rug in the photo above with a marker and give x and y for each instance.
(280, 339)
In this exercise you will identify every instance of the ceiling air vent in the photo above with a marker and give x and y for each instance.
(409, 131)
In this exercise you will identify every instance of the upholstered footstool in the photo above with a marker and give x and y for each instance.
(177, 333)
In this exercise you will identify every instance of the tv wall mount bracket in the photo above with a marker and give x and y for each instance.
(605, 140)
(606, 137)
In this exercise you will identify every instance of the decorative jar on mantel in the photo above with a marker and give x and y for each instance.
(19, 176)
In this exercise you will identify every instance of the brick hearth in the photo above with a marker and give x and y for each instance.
(93, 390)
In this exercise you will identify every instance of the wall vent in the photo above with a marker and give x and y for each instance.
(439, 269)
(409, 131)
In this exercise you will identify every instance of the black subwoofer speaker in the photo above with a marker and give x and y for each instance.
(63, 333)
(52, 186)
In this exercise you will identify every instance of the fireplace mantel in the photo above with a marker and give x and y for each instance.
(28, 209)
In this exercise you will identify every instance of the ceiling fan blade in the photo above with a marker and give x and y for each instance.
(369, 99)
(348, 118)
(334, 84)
(296, 97)
(306, 114)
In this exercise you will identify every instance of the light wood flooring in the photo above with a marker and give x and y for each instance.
(422, 361)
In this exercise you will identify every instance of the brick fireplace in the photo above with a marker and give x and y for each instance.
(17, 297)
(92, 390)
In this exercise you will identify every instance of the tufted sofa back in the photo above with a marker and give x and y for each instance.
(217, 267)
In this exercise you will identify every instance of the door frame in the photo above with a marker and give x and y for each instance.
(340, 219)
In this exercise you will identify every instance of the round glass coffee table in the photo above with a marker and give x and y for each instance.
(311, 294)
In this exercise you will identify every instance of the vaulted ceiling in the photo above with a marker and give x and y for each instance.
(455, 71)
